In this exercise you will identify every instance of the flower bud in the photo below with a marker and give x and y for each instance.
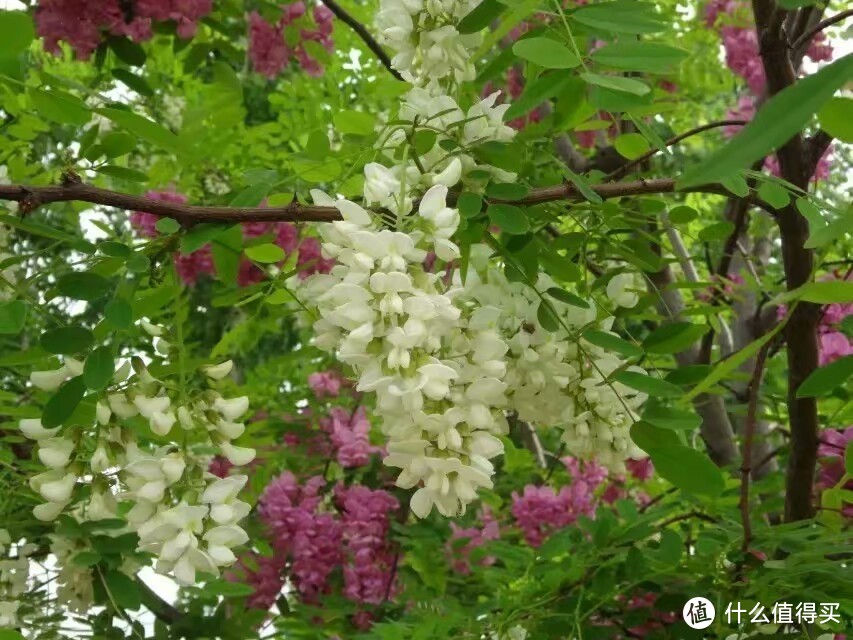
(218, 371)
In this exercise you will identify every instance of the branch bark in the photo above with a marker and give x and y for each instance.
(31, 197)
(806, 38)
(364, 34)
(798, 261)
(749, 433)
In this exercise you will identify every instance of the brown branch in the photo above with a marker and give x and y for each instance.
(621, 171)
(749, 434)
(798, 262)
(31, 197)
(820, 26)
(364, 34)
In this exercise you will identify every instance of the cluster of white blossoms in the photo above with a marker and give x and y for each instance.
(184, 515)
(557, 378)
(425, 38)
(447, 356)
(14, 578)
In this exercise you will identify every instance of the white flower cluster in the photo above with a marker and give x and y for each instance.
(557, 378)
(14, 578)
(436, 371)
(447, 360)
(424, 35)
(175, 499)
(75, 586)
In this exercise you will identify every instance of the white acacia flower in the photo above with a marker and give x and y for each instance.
(232, 408)
(161, 423)
(33, 429)
(50, 380)
(48, 511)
(121, 406)
(54, 486)
(55, 452)
(622, 290)
(220, 540)
(102, 413)
(149, 406)
(238, 456)
(218, 371)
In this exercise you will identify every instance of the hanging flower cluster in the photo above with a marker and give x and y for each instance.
(192, 266)
(184, 515)
(315, 535)
(447, 356)
(84, 24)
(14, 578)
(273, 46)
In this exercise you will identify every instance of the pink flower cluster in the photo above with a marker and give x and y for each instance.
(191, 267)
(349, 433)
(325, 383)
(83, 24)
(834, 344)
(474, 537)
(369, 556)
(270, 50)
(540, 511)
(312, 542)
(831, 451)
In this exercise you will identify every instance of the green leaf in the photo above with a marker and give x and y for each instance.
(546, 53)
(786, 113)
(674, 338)
(144, 128)
(60, 107)
(537, 91)
(716, 232)
(617, 83)
(13, 316)
(251, 196)
(62, 404)
(83, 285)
(672, 418)
(134, 82)
(631, 145)
(611, 342)
(200, 235)
(569, 298)
(682, 214)
(18, 32)
(167, 226)
(547, 318)
(506, 190)
(648, 384)
(822, 381)
(99, 368)
(848, 459)
(127, 50)
(119, 314)
(639, 56)
(469, 204)
(828, 292)
(123, 590)
(228, 589)
(836, 118)
(86, 558)
(509, 218)
(620, 17)
(114, 249)
(117, 143)
(67, 340)
(774, 195)
(123, 173)
(266, 253)
(355, 123)
(480, 17)
(686, 468)
(10, 634)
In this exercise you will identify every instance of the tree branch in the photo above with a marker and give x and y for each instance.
(31, 197)
(621, 171)
(161, 609)
(364, 34)
(806, 38)
(749, 434)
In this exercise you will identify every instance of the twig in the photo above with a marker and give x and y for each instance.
(31, 197)
(364, 34)
(749, 434)
(621, 171)
(820, 26)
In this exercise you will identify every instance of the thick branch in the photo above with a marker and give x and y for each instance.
(31, 197)
(161, 609)
(749, 434)
(621, 171)
(364, 34)
(804, 39)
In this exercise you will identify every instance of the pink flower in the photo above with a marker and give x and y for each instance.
(325, 383)
(833, 346)
(475, 537)
(350, 436)
(310, 259)
(263, 574)
(642, 469)
(269, 51)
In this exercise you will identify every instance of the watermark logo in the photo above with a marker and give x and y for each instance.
(698, 613)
